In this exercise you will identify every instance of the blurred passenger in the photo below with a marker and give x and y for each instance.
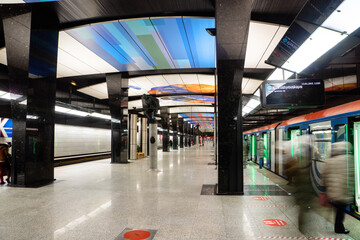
(4, 163)
(298, 172)
(290, 163)
(171, 144)
(338, 179)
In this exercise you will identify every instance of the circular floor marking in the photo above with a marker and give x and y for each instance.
(260, 198)
(274, 222)
(137, 235)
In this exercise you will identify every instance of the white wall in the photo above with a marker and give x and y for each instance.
(74, 140)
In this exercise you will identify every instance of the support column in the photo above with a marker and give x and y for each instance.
(153, 146)
(32, 87)
(118, 102)
(174, 124)
(165, 126)
(232, 26)
(181, 131)
(133, 136)
(144, 136)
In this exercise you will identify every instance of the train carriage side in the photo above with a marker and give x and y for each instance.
(309, 138)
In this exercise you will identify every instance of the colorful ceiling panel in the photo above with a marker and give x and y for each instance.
(152, 43)
(190, 99)
(183, 88)
(205, 120)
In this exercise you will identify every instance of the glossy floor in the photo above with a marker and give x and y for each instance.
(98, 200)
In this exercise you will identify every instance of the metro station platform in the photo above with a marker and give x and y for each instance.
(99, 200)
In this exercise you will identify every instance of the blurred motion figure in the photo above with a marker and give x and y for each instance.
(4, 162)
(338, 179)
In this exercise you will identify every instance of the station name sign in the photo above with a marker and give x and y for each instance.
(302, 93)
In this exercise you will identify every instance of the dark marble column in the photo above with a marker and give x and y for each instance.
(174, 125)
(165, 126)
(181, 131)
(32, 60)
(232, 26)
(118, 102)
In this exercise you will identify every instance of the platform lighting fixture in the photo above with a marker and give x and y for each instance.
(78, 113)
(339, 25)
(99, 115)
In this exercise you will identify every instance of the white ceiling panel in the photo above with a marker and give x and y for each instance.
(72, 62)
(261, 41)
(3, 57)
(274, 42)
(82, 54)
(11, 1)
(251, 86)
(173, 79)
(157, 80)
(63, 71)
(141, 82)
(244, 83)
(136, 92)
(190, 79)
(205, 79)
(98, 91)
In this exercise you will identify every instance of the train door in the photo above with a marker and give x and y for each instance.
(266, 155)
(260, 148)
(321, 150)
(253, 148)
(272, 150)
(295, 143)
(357, 162)
(279, 166)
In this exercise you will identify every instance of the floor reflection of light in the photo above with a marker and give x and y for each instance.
(137, 187)
(73, 224)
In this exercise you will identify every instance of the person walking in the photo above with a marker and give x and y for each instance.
(338, 179)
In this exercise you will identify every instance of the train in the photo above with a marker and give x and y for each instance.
(267, 144)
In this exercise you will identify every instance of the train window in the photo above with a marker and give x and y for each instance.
(322, 144)
(340, 133)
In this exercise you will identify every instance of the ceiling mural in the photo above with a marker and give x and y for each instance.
(205, 120)
(183, 88)
(151, 43)
(190, 99)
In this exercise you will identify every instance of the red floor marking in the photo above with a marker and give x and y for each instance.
(274, 222)
(260, 198)
(137, 235)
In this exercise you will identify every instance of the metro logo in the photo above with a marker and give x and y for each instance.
(6, 126)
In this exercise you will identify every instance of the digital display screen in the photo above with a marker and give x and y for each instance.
(292, 93)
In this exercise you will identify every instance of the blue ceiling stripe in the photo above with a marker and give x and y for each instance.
(96, 43)
(201, 43)
(173, 35)
(119, 39)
